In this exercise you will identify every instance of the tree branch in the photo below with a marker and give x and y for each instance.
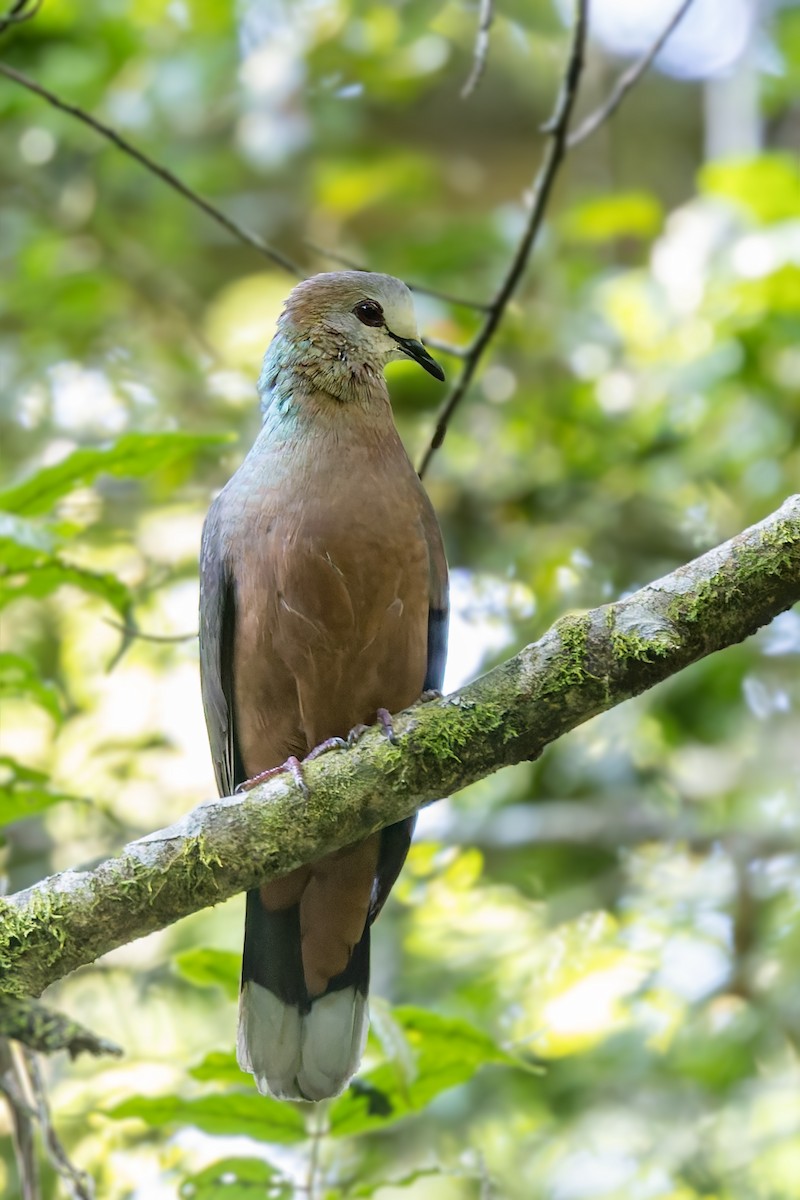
(233, 227)
(21, 10)
(560, 144)
(345, 260)
(481, 51)
(44, 1030)
(586, 664)
(556, 128)
(627, 80)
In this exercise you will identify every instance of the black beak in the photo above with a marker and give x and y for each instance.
(417, 351)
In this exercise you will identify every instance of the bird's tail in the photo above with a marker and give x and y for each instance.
(296, 1046)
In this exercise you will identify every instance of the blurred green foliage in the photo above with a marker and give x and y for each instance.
(586, 981)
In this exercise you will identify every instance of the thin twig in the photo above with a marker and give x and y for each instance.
(79, 1182)
(481, 51)
(233, 227)
(554, 154)
(21, 10)
(446, 347)
(627, 80)
(345, 261)
(132, 631)
(15, 1086)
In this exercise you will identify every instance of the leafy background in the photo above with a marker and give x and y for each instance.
(586, 982)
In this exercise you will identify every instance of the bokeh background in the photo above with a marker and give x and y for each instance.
(586, 983)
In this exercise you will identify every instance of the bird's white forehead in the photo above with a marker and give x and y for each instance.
(338, 292)
(395, 300)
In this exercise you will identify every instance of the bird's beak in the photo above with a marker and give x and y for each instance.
(417, 351)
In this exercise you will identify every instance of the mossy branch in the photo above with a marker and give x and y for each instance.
(44, 1030)
(584, 665)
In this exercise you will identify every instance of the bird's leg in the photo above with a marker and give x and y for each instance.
(292, 765)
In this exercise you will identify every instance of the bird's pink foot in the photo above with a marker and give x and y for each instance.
(292, 765)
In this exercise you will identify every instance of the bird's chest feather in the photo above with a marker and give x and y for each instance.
(332, 589)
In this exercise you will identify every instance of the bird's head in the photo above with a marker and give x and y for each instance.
(355, 321)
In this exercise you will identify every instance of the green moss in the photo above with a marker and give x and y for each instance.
(632, 646)
(692, 607)
(776, 552)
(35, 931)
(569, 667)
(441, 735)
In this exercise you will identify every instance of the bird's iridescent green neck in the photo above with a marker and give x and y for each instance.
(297, 363)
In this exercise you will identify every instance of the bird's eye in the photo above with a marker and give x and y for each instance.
(369, 312)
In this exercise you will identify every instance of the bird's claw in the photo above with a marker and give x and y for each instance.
(331, 743)
(430, 694)
(294, 767)
(385, 722)
(387, 725)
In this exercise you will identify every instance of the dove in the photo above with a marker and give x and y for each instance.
(323, 608)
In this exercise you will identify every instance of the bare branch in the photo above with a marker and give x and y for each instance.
(24, 1089)
(78, 1182)
(446, 347)
(21, 10)
(542, 187)
(627, 80)
(133, 631)
(15, 1086)
(584, 665)
(345, 261)
(481, 52)
(233, 227)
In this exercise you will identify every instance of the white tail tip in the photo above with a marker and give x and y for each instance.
(311, 1056)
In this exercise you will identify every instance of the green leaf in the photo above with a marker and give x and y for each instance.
(768, 187)
(133, 455)
(20, 679)
(407, 1181)
(30, 566)
(25, 792)
(206, 967)
(445, 1051)
(49, 574)
(225, 1113)
(778, 292)
(625, 214)
(220, 1066)
(23, 543)
(235, 1179)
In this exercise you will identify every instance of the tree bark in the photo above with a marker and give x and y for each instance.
(587, 663)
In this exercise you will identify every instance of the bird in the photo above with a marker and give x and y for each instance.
(323, 608)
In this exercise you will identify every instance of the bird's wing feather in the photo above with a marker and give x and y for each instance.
(217, 627)
(439, 610)
(396, 839)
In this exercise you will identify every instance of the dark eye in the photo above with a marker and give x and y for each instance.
(369, 312)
